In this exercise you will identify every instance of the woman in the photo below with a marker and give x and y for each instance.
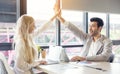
(25, 49)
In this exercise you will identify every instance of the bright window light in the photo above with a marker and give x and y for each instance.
(40, 9)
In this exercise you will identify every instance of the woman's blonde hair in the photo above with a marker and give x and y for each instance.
(22, 35)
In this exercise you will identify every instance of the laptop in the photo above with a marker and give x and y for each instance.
(56, 55)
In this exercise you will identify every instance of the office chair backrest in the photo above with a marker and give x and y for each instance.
(111, 58)
(5, 65)
(2, 68)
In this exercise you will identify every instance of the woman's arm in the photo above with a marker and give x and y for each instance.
(45, 26)
(20, 62)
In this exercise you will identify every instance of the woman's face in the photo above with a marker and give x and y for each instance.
(32, 27)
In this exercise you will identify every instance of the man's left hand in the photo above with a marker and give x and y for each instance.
(76, 58)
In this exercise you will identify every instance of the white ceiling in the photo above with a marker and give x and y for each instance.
(107, 6)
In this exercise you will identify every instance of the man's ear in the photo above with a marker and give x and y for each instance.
(100, 28)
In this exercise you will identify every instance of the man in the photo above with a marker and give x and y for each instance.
(97, 47)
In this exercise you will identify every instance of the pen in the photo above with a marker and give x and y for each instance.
(95, 68)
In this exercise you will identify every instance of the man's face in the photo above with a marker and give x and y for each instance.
(93, 29)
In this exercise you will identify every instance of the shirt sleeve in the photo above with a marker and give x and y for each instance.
(66, 23)
(76, 31)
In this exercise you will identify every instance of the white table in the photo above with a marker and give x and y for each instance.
(80, 68)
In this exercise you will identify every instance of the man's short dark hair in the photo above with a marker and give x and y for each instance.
(98, 20)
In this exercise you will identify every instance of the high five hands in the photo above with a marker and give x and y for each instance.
(57, 11)
(57, 15)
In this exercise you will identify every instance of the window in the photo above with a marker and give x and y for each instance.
(8, 17)
(67, 37)
(8, 11)
(114, 26)
(42, 11)
(115, 31)
(76, 18)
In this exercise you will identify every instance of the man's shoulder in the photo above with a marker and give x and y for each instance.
(106, 39)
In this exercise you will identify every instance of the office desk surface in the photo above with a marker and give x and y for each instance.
(82, 68)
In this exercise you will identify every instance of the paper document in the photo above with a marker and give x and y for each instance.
(51, 62)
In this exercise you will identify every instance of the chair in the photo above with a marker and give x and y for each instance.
(5, 66)
(111, 58)
(2, 68)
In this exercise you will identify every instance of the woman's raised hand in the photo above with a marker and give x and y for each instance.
(56, 14)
